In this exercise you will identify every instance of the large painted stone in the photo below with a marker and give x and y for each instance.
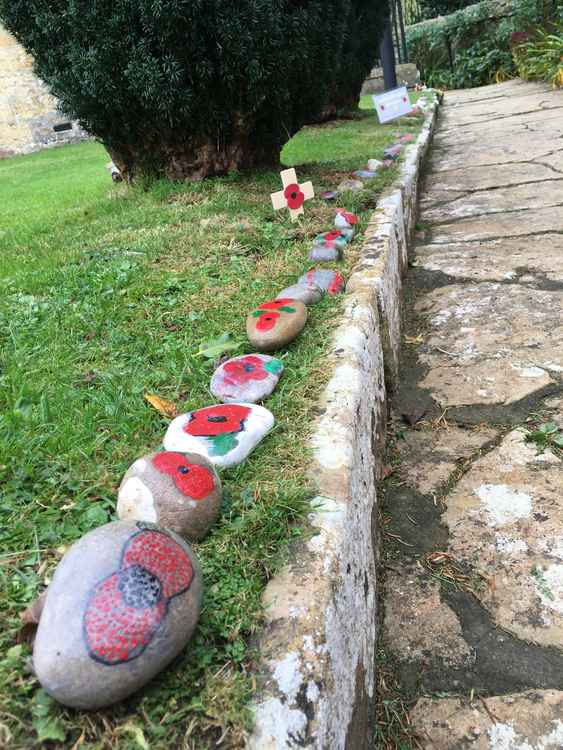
(308, 293)
(275, 323)
(250, 378)
(225, 433)
(123, 603)
(331, 281)
(179, 491)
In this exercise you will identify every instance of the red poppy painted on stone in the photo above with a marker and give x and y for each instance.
(126, 609)
(294, 196)
(349, 217)
(217, 420)
(243, 370)
(267, 321)
(191, 479)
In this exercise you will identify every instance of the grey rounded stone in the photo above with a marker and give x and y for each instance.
(180, 491)
(331, 281)
(353, 186)
(249, 378)
(123, 603)
(324, 253)
(309, 293)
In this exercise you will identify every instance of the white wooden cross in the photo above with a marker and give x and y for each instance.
(293, 194)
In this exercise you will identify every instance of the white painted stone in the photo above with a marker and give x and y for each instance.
(247, 431)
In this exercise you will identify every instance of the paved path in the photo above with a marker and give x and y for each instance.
(474, 602)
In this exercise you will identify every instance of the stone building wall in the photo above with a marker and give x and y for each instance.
(28, 114)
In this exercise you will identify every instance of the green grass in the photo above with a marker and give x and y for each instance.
(108, 293)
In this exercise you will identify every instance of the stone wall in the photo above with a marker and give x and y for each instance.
(28, 114)
(316, 676)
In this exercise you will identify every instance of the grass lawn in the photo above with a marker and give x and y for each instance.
(108, 293)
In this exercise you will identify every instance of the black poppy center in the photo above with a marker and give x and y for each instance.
(219, 418)
(249, 368)
(293, 195)
(139, 588)
(183, 470)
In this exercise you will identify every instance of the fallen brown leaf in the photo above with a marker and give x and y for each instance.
(166, 408)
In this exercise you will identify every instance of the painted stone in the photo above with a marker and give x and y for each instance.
(123, 603)
(224, 433)
(387, 163)
(181, 492)
(393, 151)
(331, 281)
(345, 219)
(275, 323)
(309, 294)
(365, 174)
(407, 138)
(325, 253)
(352, 185)
(250, 378)
(329, 195)
(374, 165)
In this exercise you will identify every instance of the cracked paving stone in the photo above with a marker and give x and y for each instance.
(519, 197)
(497, 260)
(555, 406)
(517, 149)
(478, 113)
(520, 721)
(507, 224)
(505, 518)
(418, 626)
(429, 456)
(487, 177)
(488, 345)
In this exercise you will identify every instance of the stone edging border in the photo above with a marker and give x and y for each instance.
(316, 675)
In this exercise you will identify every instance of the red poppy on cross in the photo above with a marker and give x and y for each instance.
(293, 194)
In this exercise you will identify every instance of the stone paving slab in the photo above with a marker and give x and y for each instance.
(490, 345)
(522, 259)
(480, 202)
(505, 518)
(524, 721)
(489, 177)
(506, 224)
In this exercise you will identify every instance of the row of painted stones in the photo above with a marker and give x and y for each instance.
(110, 599)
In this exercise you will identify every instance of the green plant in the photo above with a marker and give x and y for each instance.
(191, 89)
(467, 49)
(546, 436)
(541, 57)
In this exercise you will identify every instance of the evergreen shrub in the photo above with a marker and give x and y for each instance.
(191, 88)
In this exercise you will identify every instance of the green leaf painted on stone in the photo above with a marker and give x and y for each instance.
(274, 366)
(286, 308)
(258, 313)
(222, 444)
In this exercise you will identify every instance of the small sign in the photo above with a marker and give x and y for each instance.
(392, 104)
(293, 194)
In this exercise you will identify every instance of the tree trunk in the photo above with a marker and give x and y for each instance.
(191, 160)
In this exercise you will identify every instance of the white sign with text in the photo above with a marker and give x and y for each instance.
(392, 104)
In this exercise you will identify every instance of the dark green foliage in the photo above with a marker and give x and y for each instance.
(468, 48)
(433, 8)
(189, 88)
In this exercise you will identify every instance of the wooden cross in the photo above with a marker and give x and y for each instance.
(293, 194)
